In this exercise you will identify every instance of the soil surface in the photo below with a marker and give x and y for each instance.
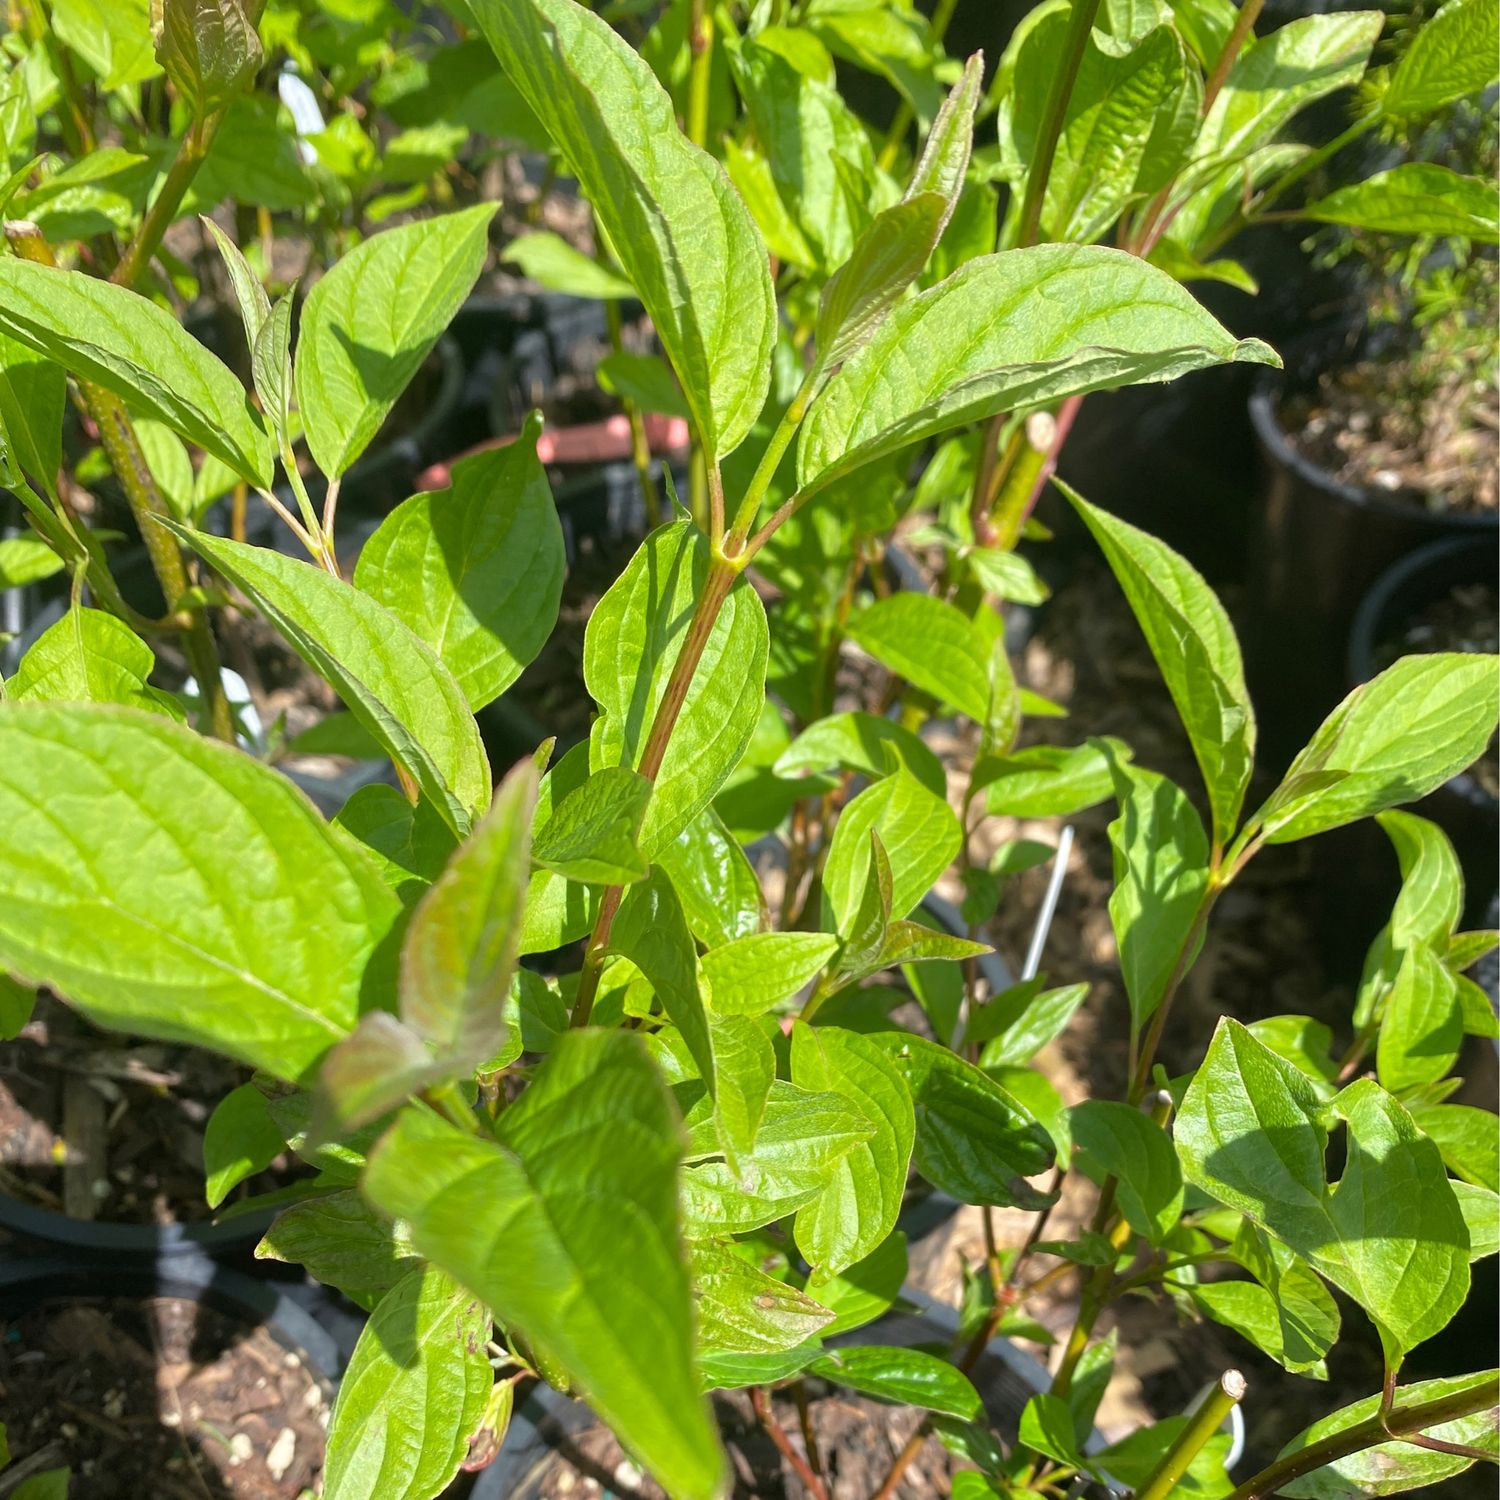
(101, 1126)
(1361, 425)
(857, 1440)
(162, 1397)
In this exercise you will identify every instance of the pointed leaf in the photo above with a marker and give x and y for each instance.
(239, 1140)
(507, 1219)
(550, 261)
(741, 1310)
(593, 832)
(370, 322)
(342, 1242)
(717, 885)
(932, 644)
(908, 1377)
(1451, 55)
(683, 235)
(1117, 1140)
(1414, 198)
(755, 973)
(91, 657)
(744, 1068)
(859, 742)
(390, 681)
(172, 887)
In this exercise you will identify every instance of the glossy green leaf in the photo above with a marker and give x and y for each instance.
(741, 1310)
(369, 323)
(863, 1292)
(1422, 1029)
(592, 833)
(460, 946)
(1006, 332)
(368, 1074)
(1397, 737)
(1252, 1133)
(632, 642)
(130, 346)
(391, 681)
(342, 1242)
(1481, 1210)
(857, 1211)
(1026, 1026)
(802, 1138)
(1414, 198)
(1117, 1140)
(861, 742)
(744, 1067)
(644, 379)
(1393, 1468)
(91, 657)
(209, 49)
(1469, 1139)
(918, 831)
(250, 927)
(685, 240)
(974, 1141)
(27, 559)
(932, 644)
(507, 1219)
(414, 1390)
(1161, 879)
(114, 39)
(908, 1377)
(752, 974)
(714, 880)
(409, 845)
(1047, 1427)
(239, 1140)
(550, 261)
(1451, 55)
(1196, 651)
(1049, 781)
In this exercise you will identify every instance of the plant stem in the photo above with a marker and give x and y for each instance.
(640, 449)
(1244, 24)
(804, 1420)
(774, 1431)
(164, 206)
(770, 460)
(1400, 1422)
(721, 576)
(1201, 1426)
(701, 48)
(1080, 23)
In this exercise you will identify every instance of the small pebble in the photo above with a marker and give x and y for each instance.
(282, 1452)
(627, 1476)
(241, 1449)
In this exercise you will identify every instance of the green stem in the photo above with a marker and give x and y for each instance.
(640, 449)
(1080, 23)
(1202, 1425)
(1399, 1422)
(721, 576)
(1244, 24)
(765, 470)
(163, 209)
(701, 47)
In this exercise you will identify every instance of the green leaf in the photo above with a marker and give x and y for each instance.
(863, 1292)
(1396, 737)
(248, 929)
(409, 845)
(631, 645)
(391, 681)
(209, 49)
(1117, 1140)
(51, 1484)
(507, 1219)
(1049, 781)
(744, 1067)
(1135, 1459)
(551, 262)
(652, 932)
(741, 1310)
(592, 833)
(1026, 1025)
(1422, 1029)
(801, 1139)
(908, 1377)
(1287, 1312)
(752, 974)
(1196, 651)
(1252, 1133)
(1481, 1211)
(684, 238)
(370, 322)
(1451, 55)
(130, 346)
(33, 398)
(1006, 575)
(920, 835)
(974, 1141)
(1395, 1467)
(91, 657)
(341, 1242)
(1414, 198)
(17, 1001)
(1161, 880)
(958, 353)
(1468, 1138)
(1047, 1427)
(861, 742)
(239, 1140)
(460, 946)
(415, 1389)
(112, 36)
(932, 644)
(719, 889)
(857, 1211)
(271, 365)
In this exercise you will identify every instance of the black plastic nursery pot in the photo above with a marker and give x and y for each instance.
(543, 1441)
(1464, 808)
(287, 1324)
(1317, 546)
